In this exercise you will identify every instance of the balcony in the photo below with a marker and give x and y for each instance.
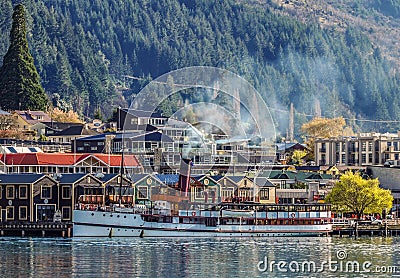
(353, 150)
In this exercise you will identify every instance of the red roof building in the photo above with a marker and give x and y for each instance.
(67, 163)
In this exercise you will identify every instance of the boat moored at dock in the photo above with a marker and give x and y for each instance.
(219, 220)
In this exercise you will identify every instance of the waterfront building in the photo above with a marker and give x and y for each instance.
(71, 133)
(37, 197)
(362, 150)
(389, 178)
(299, 187)
(27, 197)
(49, 163)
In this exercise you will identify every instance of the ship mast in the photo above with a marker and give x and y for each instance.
(121, 172)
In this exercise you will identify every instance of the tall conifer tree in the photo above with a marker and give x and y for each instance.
(20, 86)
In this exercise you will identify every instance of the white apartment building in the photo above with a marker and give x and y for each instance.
(361, 150)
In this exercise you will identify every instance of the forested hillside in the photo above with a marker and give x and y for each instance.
(84, 49)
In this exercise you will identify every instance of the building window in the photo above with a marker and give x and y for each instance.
(80, 149)
(363, 146)
(9, 213)
(66, 213)
(264, 194)
(142, 192)
(93, 148)
(134, 121)
(23, 192)
(45, 212)
(363, 158)
(10, 191)
(23, 213)
(66, 192)
(227, 194)
(370, 158)
(45, 192)
(199, 193)
(343, 158)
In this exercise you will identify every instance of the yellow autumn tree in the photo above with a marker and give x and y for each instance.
(298, 156)
(65, 117)
(352, 193)
(323, 128)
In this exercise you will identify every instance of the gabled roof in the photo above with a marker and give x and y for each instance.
(282, 176)
(33, 117)
(143, 114)
(152, 137)
(75, 130)
(115, 159)
(98, 137)
(106, 177)
(138, 177)
(289, 145)
(216, 177)
(236, 179)
(169, 179)
(21, 178)
(262, 182)
(67, 178)
(59, 125)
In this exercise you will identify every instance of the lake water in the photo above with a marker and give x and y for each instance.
(180, 257)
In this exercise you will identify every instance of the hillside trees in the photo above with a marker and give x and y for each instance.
(90, 47)
(20, 86)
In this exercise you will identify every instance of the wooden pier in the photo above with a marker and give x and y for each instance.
(384, 230)
(43, 229)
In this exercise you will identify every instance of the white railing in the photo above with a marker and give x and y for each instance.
(341, 221)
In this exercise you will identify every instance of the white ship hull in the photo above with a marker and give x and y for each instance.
(117, 224)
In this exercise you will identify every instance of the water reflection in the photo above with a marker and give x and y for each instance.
(165, 257)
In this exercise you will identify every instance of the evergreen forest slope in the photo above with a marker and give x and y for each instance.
(325, 57)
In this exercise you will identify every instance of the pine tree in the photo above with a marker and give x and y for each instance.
(20, 86)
